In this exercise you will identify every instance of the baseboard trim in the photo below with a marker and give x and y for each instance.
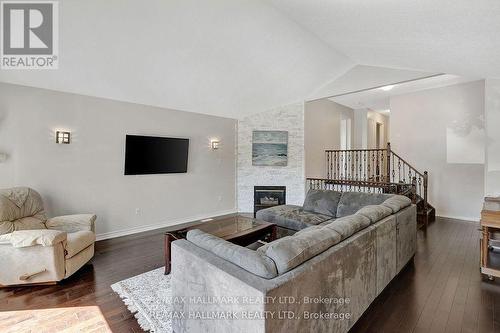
(463, 218)
(136, 230)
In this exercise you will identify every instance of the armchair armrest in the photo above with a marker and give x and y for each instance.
(27, 238)
(72, 223)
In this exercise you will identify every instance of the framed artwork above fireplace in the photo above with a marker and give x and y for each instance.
(270, 148)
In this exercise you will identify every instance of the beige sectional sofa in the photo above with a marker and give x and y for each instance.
(321, 279)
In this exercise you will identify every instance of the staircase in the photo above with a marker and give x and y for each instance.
(376, 171)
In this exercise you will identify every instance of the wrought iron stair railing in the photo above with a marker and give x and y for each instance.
(361, 186)
(375, 170)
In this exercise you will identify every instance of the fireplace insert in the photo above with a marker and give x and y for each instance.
(268, 196)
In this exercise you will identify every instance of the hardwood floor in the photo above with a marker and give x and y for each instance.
(115, 260)
(441, 292)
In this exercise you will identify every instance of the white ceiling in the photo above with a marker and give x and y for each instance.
(379, 100)
(223, 57)
(233, 58)
(460, 37)
(362, 77)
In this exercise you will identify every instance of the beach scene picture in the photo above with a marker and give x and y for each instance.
(270, 148)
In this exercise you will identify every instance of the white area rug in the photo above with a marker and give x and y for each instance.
(148, 297)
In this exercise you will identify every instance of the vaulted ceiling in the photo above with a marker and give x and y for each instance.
(379, 99)
(458, 37)
(232, 58)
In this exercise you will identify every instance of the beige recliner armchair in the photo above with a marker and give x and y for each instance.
(37, 250)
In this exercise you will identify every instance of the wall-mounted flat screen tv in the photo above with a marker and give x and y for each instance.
(146, 155)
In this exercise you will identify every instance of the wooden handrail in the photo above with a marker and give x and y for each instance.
(362, 186)
(348, 181)
(347, 150)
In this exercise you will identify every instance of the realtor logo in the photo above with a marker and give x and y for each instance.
(29, 36)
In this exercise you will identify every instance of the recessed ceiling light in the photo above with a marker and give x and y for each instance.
(387, 88)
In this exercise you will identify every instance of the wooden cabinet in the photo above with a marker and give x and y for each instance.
(490, 222)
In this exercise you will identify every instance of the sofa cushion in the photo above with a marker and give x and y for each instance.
(374, 213)
(323, 202)
(291, 217)
(348, 225)
(17, 195)
(326, 222)
(397, 202)
(21, 208)
(72, 223)
(351, 202)
(308, 229)
(78, 241)
(291, 251)
(25, 223)
(274, 214)
(251, 261)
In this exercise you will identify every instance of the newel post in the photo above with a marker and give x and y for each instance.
(388, 163)
(328, 169)
(414, 189)
(426, 184)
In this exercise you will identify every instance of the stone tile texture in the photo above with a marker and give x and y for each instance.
(287, 118)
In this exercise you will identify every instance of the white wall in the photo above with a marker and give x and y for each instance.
(322, 123)
(421, 124)
(287, 118)
(492, 117)
(360, 129)
(373, 119)
(87, 175)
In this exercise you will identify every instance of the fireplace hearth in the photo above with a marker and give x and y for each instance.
(268, 196)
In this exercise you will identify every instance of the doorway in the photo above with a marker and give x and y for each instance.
(378, 135)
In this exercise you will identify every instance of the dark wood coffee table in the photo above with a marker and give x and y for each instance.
(236, 229)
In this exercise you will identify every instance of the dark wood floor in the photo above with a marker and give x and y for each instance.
(441, 292)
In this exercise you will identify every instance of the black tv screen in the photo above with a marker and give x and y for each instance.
(145, 155)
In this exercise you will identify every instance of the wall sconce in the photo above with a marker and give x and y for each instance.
(63, 137)
(215, 144)
(3, 157)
